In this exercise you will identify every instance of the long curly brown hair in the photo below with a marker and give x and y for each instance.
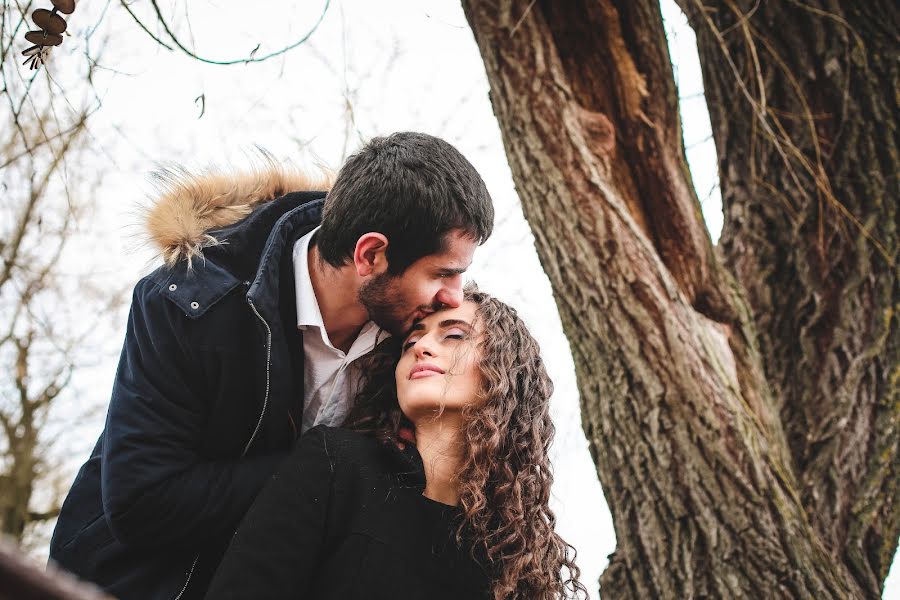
(505, 480)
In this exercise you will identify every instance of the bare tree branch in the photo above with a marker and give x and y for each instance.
(251, 58)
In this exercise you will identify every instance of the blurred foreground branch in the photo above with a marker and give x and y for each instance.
(22, 580)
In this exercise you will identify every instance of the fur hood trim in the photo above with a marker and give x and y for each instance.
(190, 205)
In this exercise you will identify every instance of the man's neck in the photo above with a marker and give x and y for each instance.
(439, 442)
(336, 293)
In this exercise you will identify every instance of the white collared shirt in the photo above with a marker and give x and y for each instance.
(330, 378)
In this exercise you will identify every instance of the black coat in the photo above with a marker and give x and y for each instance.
(198, 420)
(344, 518)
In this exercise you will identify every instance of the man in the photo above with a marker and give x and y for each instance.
(247, 337)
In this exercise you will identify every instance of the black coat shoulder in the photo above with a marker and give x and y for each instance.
(344, 517)
(359, 457)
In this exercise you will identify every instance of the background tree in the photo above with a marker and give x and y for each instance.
(45, 209)
(741, 401)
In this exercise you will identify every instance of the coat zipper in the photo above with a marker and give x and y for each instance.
(190, 574)
(258, 423)
(268, 374)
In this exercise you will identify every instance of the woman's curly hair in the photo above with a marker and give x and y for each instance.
(504, 483)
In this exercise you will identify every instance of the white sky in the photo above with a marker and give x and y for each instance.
(399, 65)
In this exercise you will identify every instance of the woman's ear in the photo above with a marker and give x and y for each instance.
(369, 255)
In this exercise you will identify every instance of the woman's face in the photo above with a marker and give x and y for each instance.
(438, 368)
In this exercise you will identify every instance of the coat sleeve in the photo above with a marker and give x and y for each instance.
(278, 546)
(156, 489)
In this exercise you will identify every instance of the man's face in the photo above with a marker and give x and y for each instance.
(429, 284)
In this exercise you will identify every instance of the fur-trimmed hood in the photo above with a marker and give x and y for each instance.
(191, 205)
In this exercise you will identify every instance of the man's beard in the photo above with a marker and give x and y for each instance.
(380, 298)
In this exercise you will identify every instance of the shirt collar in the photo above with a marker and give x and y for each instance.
(308, 312)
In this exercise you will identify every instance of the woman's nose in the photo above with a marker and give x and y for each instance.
(424, 348)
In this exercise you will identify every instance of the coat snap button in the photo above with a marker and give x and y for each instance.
(173, 287)
(195, 305)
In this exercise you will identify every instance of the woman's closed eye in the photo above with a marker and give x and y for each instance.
(455, 334)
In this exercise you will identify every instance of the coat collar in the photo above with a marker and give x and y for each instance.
(248, 252)
(192, 210)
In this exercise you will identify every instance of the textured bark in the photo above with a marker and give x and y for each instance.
(683, 425)
(808, 149)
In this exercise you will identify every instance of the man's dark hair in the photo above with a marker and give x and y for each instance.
(413, 188)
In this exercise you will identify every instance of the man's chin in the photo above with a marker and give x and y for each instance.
(413, 319)
(397, 325)
(393, 326)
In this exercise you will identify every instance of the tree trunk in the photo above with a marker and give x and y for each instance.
(683, 424)
(808, 149)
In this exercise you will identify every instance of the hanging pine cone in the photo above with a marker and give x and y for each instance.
(51, 26)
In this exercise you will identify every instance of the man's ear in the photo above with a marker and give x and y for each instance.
(369, 256)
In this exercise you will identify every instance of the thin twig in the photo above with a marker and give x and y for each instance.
(237, 61)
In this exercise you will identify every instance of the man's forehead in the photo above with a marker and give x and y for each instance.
(458, 249)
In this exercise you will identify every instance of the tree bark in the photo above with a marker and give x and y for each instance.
(683, 425)
(803, 101)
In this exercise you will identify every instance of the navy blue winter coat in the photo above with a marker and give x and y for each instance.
(199, 415)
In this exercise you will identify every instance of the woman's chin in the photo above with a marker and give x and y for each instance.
(424, 411)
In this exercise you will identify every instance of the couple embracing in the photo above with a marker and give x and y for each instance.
(310, 405)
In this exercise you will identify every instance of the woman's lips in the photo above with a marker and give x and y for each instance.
(425, 370)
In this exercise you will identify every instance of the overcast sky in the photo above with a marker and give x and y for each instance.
(371, 68)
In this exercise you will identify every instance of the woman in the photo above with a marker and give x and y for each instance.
(460, 513)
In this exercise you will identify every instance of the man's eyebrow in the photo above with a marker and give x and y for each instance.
(452, 271)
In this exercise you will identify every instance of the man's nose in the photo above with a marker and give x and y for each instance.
(451, 296)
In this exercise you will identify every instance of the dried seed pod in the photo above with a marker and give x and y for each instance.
(48, 21)
(66, 7)
(44, 39)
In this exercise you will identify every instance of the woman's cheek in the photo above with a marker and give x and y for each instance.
(399, 370)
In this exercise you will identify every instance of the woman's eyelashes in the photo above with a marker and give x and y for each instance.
(450, 334)
(455, 334)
